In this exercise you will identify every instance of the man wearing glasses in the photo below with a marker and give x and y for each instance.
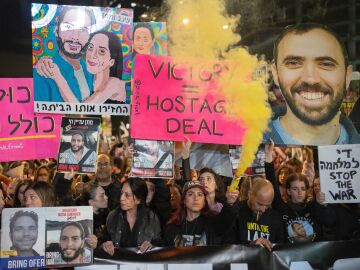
(107, 180)
(72, 35)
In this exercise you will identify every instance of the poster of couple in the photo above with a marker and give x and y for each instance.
(81, 59)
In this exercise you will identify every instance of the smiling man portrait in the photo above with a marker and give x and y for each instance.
(312, 70)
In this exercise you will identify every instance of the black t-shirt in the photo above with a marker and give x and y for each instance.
(247, 228)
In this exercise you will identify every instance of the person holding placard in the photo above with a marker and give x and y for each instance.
(297, 214)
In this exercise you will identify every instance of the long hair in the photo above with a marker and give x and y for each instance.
(26, 183)
(115, 49)
(220, 187)
(138, 188)
(45, 192)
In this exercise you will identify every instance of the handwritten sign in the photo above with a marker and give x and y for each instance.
(173, 98)
(22, 131)
(339, 167)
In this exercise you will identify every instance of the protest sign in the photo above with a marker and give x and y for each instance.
(66, 231)
(340, 173)
(79, 145)
(180, 97)
(153, 159)
(81, 59)
(22, 131)
(256, 167)
(33, 237)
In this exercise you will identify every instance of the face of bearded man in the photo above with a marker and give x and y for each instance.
(71, 243)
(77, 143)
(74, 33)
(310, 70)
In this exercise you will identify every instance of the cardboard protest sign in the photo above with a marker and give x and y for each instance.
(21, 130)
(35, 237)
(79, 145)
(81, 59)
(256, 167)
(179, 97)
(64, 224)
(153, 159)
(340, 173)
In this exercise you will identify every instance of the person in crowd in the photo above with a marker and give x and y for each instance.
(195, 225)
(311, 215)
(94, 195)
(281, 174)
(10, 192)
(19, 193)
(257, 223)
(132, 224)
(109, 182)
(2, 201)
(39, 194)
(214, 187)
(245, 187)
(42, 173)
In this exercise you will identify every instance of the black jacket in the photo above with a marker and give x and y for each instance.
(148, 226)
(206, 230)
(310, 217)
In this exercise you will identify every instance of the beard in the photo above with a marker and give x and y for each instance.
(61, 46)
(79, 149)
(313, 117)
(68, 259)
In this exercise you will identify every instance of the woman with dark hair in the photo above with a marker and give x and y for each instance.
(132, 224)
(39, 194)
(195, 224)
(94, 195)
(215, 189)
(42, 174)
(19, 192)
(281, 174)
(2, 199)
(310, 216)
(104, 59)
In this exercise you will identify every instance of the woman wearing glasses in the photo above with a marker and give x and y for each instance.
(132, 224)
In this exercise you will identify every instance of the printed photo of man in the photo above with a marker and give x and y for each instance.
(24, 233)
(78, 153)
(312, 70)
(153, 154)
(72, 245)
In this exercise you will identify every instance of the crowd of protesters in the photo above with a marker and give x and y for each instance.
(196, 207)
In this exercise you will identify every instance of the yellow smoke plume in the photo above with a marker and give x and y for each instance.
(201, 29)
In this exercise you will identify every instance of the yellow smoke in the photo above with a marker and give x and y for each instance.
(201, 28)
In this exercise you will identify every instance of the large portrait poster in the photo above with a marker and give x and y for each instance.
(37, 237)
(21, 130)
(67, 229)
(22, 238)
(153, 159)
(339, 169)
(81, 59)
(179, 97)
(79, 145)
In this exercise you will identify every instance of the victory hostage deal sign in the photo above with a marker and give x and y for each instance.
(177, 97)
